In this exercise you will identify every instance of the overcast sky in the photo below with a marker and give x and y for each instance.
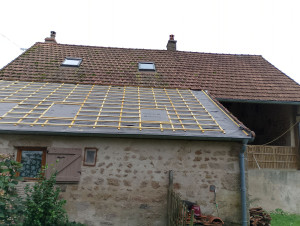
(270, 28)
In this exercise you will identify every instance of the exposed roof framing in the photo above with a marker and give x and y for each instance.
(33, 106)
(103, 106)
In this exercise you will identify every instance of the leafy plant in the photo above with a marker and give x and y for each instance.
(43, 206)
(11, 207)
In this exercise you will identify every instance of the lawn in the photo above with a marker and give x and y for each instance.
(281, 218)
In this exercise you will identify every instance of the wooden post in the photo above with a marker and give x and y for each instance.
(192, 218)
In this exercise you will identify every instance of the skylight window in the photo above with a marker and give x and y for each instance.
(146, 66)
(72, 62)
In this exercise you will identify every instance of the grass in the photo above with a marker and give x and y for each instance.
(281, 218)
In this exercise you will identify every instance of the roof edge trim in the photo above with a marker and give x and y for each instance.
(21, 54)
(239, 124)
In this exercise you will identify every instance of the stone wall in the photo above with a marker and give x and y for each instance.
(128, 185)
(273, 189)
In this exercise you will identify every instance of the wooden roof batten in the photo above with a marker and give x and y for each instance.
(103, 106)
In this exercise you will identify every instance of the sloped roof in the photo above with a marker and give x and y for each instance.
(53, 108)
(226, 76)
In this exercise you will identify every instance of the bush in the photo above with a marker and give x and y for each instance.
(11, 207)
(43, 206)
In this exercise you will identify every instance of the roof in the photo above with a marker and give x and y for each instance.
(55, 108)
(226, 76)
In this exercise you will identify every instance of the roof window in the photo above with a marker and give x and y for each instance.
(72, 62)
(146, 66)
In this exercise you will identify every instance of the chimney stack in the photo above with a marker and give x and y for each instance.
(51, 39)
(171, 43)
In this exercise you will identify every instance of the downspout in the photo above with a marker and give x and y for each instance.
(243, 184)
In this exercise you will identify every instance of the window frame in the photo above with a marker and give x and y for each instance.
(84, 156)
(71, 58)
(140, 63)
(24, 148)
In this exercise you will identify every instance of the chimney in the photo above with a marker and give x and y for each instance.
(171, 43)
(51, 39)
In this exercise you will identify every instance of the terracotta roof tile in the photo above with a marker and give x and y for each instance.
(227, 76)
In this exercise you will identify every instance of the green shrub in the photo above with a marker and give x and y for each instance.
(11, 207)
(42, 204)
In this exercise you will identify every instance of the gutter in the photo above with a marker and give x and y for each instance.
(243, 184)
(260, 101)
(127, 135)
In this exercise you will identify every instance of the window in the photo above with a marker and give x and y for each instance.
(90, 156)
(32, 159)
(146, 66)
(65, 161)
(72, 62)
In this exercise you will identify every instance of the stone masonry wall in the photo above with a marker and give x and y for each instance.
(128, 185)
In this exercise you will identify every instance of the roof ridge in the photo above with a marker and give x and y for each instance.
(163, 50)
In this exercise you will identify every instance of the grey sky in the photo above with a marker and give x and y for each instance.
(265, 27)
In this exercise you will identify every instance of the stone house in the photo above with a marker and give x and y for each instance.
(119, 119)
(257, 93)
(116, 145)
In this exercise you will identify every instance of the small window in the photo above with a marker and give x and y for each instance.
(146, 66)
(90, 156)
(32, 159)
(72, 62)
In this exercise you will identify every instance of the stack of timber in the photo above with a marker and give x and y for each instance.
(258, 217)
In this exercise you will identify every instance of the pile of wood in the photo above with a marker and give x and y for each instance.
(258, 217)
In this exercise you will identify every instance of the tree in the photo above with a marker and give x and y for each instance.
(11, 206)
